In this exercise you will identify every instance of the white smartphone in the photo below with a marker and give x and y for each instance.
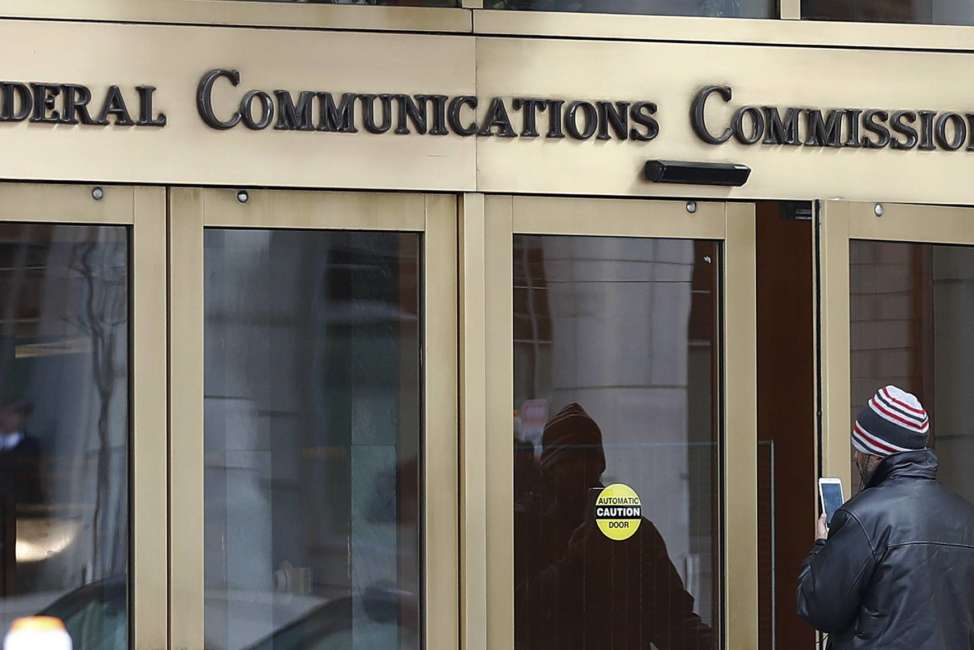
(830, 492)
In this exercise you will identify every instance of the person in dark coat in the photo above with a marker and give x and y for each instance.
(20, 486)
(895, 570)
(575, 588)
(20, 455)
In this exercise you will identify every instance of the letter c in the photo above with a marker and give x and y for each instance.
(453, 115)
(698, 108)
(204, 99)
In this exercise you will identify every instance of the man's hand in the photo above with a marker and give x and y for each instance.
(821, 530)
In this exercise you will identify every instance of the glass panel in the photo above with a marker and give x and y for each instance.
(312, 435)
(64, 428)
(912, 313)
(713, 8)
(927, 12)
(615, 381)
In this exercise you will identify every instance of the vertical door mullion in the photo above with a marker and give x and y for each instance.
(740, 428)
(186, 418)
(473, 429)
(440, 440)
(836, 345)
(149, 408)
(499, 339)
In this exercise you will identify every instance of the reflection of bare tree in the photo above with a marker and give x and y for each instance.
(102, 314)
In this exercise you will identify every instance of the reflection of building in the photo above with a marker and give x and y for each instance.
(911, 307)
(626, 328)
(64, 345)
(310, 447)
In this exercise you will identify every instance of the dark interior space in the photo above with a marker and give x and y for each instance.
(925, 12)
(786, 417)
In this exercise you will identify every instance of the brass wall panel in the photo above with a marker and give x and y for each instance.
(173, 58)
(66, 204)
(618, 218)
(186, 151)
(672, 73)
(790, 9)
(313, 210)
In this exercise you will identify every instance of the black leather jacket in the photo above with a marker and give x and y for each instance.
(897, 570)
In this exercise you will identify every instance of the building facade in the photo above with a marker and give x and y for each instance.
(330, 325)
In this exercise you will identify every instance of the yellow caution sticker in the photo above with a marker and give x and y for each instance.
(618, 512)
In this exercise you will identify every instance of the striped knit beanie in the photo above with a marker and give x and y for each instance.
(571, 433)
(892, 422)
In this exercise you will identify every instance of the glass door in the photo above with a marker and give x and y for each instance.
(898, 308)
(619, 448)
(83, 509)
(313, 434)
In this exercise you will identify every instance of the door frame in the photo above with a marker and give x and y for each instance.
(434, 215)
(143, 211)
(840, 223)
(487, 227)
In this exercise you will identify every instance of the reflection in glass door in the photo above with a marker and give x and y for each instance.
(912, 325)
(615, 366)
(82, 411)
(608, 323)
(312, 432)
(64, 428)
(898, 309)
(314, 420)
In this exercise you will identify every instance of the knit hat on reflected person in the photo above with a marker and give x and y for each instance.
(893, 421)
(571, 433)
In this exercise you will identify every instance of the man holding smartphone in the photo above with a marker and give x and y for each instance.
(895, 569)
